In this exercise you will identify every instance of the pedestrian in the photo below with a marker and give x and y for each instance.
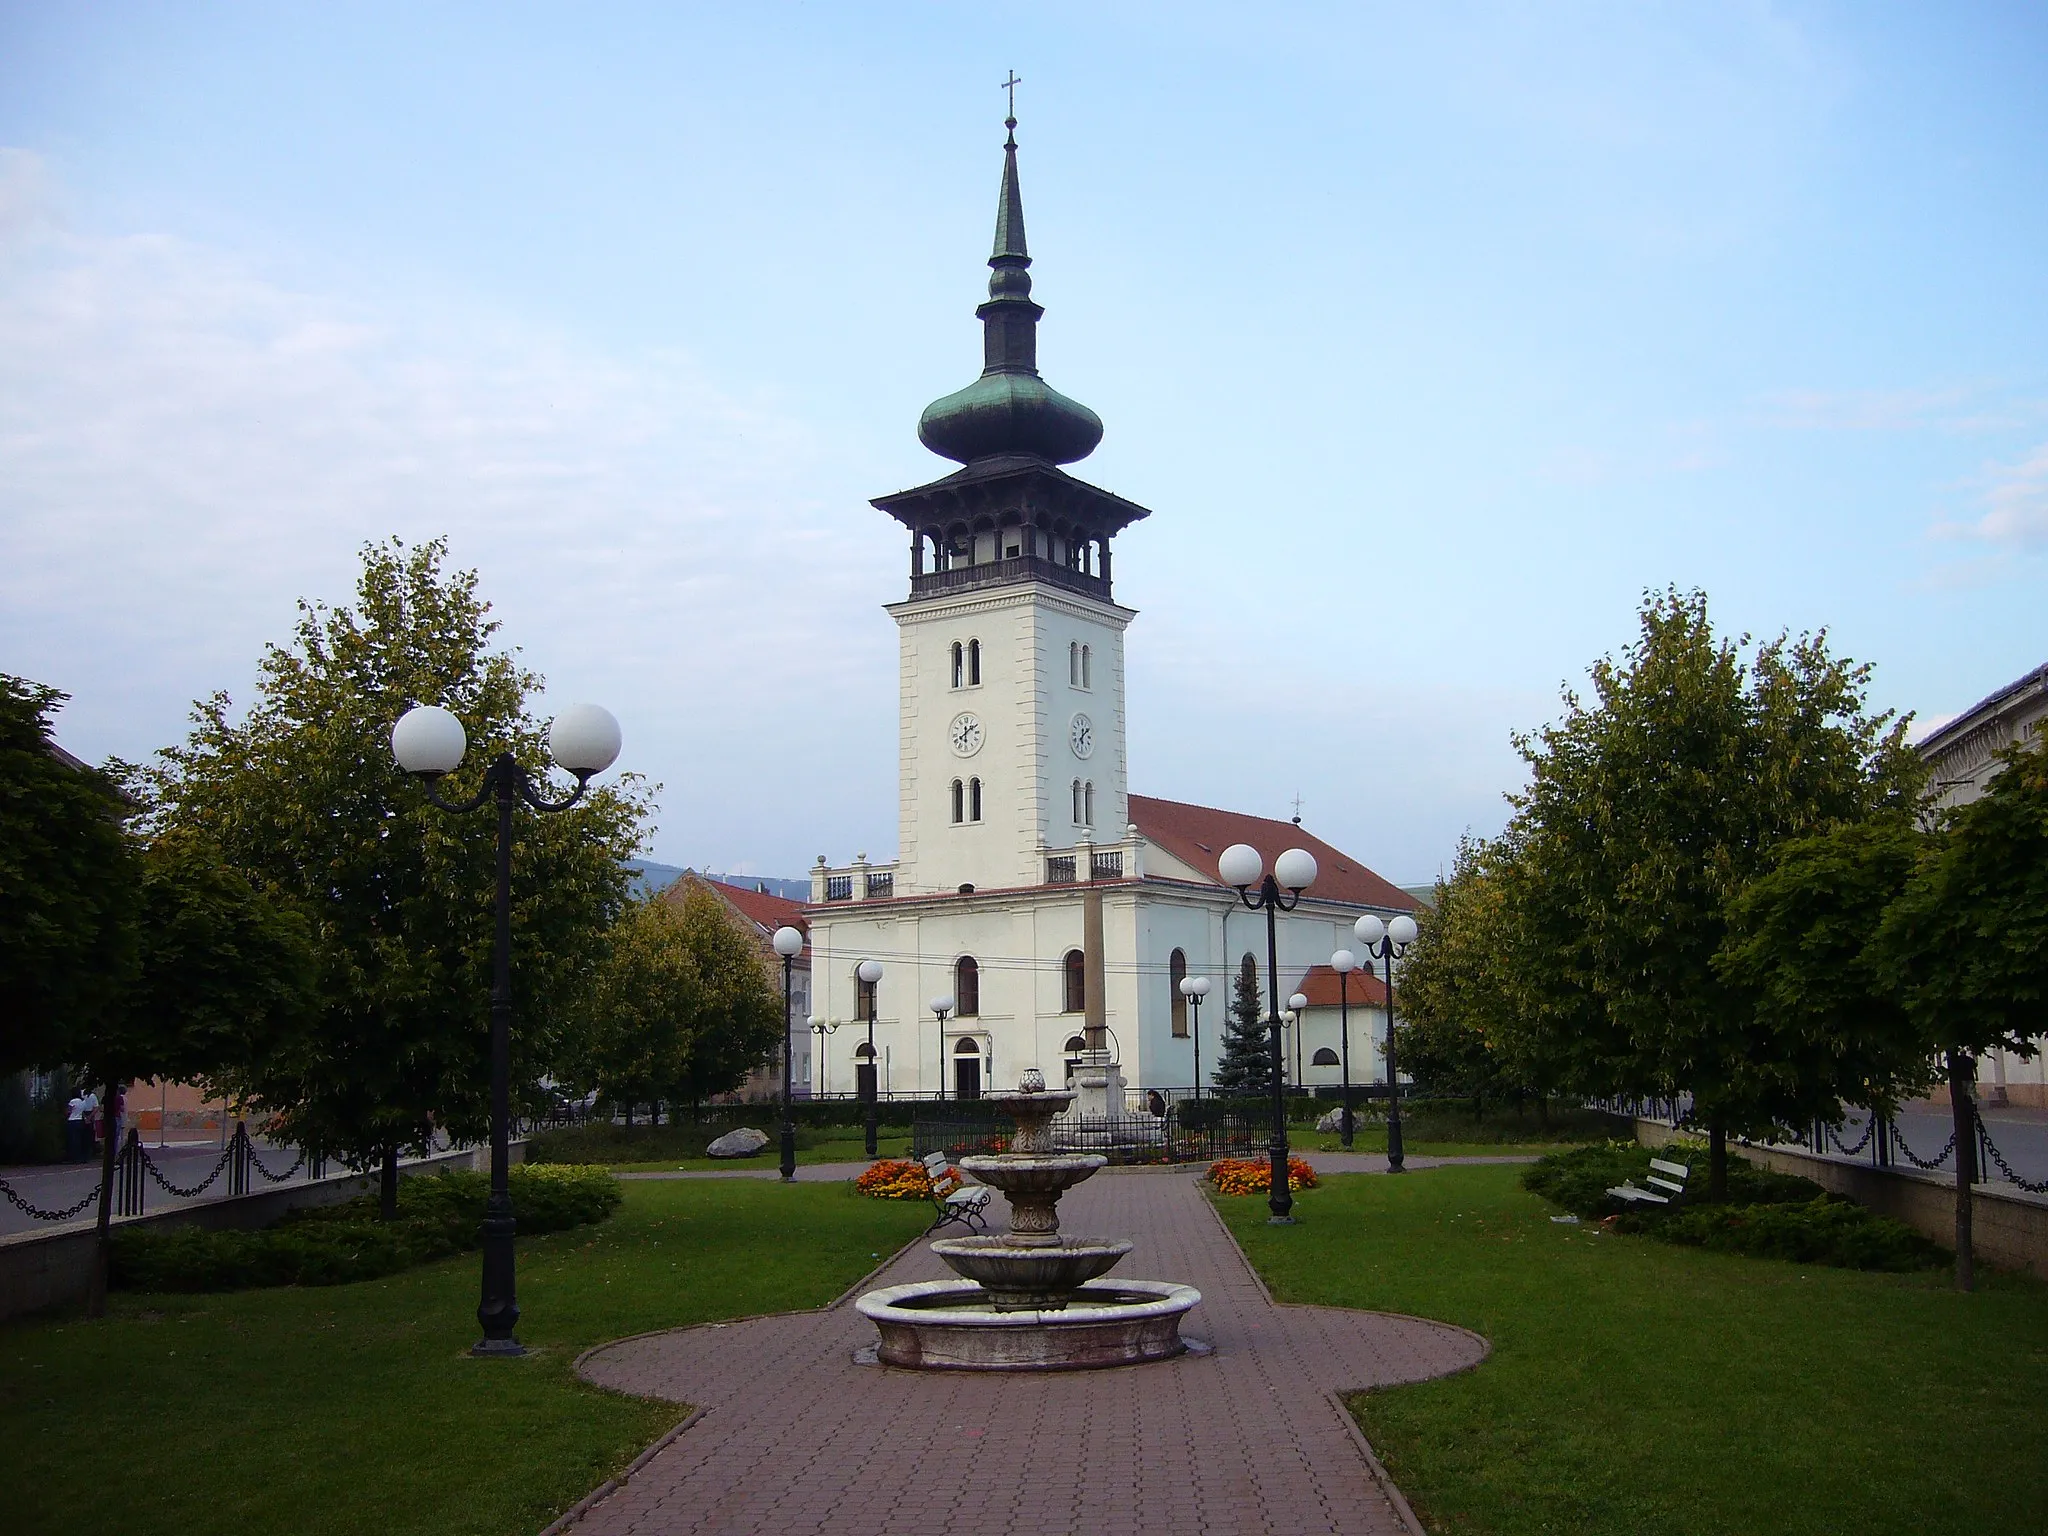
(92, 1122)
(74, 1127)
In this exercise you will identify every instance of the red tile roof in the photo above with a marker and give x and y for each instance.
(1197, 836)
(1319, 986)
(764, 911)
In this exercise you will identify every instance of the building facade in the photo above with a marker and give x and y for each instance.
(1051, 909)
(1963, 755)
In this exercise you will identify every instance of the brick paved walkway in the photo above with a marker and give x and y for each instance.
(796, 1438)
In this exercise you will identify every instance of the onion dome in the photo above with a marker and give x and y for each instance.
(1009, 409)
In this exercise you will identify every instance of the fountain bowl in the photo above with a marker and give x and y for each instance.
(1035, 1277)
(940, 1325)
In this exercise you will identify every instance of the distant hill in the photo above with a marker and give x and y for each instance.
(649, 876)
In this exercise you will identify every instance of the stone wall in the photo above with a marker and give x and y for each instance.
(2009, 1226)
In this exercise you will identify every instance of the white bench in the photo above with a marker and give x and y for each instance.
(1673, 1185)
(954, 1200)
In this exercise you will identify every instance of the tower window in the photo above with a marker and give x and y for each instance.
(1076, 969)
(974, 663)
(974, 799)
(959, 666)
(1176, 973)
(1074, 663)
(1088, 804)
(959, 814)
(1087, 668)
(967, 987)
(1077, 805)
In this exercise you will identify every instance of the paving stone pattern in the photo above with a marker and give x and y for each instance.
(797, 1438)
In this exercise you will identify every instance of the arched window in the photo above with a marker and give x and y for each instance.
(1074, 1047)
(966, 1048)
(1087, 679)
(1076, 969)
(864, 1052)
(1088, 804)
(1077, 805)
(1324, 1057)
(974, 663)
(974, 799)
(967, 987)
(863, 1000)
(1074, 663)
(1248, 968)
(959, 666)
(959, 813)
(1176, 973)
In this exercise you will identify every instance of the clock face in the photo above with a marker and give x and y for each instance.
(965, 735)
(1082, 736)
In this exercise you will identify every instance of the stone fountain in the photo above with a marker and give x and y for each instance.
(1032, 1298)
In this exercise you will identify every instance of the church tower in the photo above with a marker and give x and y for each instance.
(1012, 663)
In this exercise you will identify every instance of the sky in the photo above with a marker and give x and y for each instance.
(1434, 336)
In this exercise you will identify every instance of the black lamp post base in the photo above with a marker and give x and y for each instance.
(788, 1153)
(1279, 1221)
(497, 1348)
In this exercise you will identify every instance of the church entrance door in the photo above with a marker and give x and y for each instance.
(966, 1077)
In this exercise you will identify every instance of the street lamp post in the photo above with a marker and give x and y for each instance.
(942, 1006)
(1297, 1006)
(1194, 989)
(429, 741)
(1294, 871)
(870, 973)
(1387, 942)
(789, 944)
(821, 1027)
(1343, 962)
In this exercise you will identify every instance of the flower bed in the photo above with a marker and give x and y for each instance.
(896, 1178)
(1254, 1175)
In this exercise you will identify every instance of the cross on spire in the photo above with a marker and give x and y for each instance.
(1011, 85)
(1297, 810)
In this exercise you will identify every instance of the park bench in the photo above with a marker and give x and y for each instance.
(953, 1199)
(1673, 1186)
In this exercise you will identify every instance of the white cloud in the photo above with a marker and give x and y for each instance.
(187, 446)
(2016, 501)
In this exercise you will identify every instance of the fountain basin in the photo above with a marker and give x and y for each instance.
(1030, 1277)
(947, 1325)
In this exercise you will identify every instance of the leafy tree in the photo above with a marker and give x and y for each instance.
(684, 1007)
(1966, 945)
(220, 970)
(1829, 1028)
(67, 886)
(1647, 813)
(1246, 1064)
(1461, 1009)
(302, 797)
(737, 1022)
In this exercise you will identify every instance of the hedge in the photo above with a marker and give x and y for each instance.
(1768, 1215)
(438, 1215)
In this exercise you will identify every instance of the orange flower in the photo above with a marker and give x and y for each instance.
(1254, 1175)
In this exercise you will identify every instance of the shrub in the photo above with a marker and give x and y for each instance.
(1254, 1175)
(438, 1215)
(896, 1178)
(1579, 1179)
(1828, 1230)
(1768, 1215)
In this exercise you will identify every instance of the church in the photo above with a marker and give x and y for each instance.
(1047, 911)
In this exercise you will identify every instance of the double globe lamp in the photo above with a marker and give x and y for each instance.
(430, 743)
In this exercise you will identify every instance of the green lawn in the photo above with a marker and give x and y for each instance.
(1637, 1389)
(356, 1408)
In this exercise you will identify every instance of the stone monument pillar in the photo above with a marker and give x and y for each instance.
(1098, 1080)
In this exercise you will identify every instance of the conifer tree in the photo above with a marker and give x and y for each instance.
(1247, 1063)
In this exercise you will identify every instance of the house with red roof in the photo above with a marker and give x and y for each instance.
(758, 913)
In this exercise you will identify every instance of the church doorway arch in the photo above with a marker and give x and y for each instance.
(966, 1070)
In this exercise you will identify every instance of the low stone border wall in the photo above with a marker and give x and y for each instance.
(50, 1269)
(2009, 1227)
